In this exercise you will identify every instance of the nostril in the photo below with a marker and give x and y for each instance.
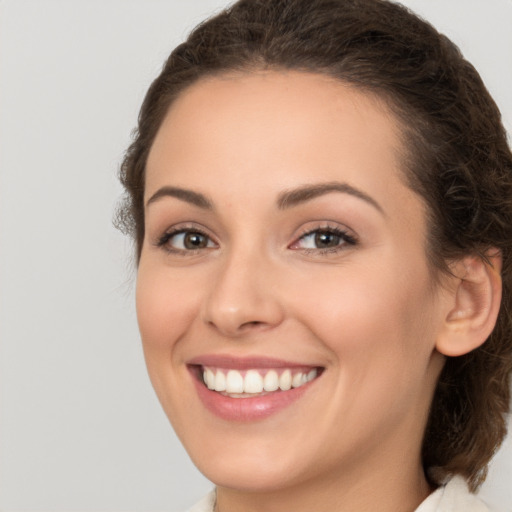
(241, 316)
(239, 329)
(254, 323)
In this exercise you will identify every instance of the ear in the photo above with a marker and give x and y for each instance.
(474, 304)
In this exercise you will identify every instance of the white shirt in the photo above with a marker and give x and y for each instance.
(453, 497)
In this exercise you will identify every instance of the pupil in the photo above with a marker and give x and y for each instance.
(195, 241)
(327, 240)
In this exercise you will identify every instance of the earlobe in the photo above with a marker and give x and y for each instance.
(475, 305)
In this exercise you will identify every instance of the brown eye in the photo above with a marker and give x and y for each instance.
(326, 239)
(193, 240)
(183, 241)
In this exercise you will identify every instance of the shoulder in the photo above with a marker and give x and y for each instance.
(205, 505)
(453, 497)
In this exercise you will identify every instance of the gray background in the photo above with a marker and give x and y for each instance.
(80, 427)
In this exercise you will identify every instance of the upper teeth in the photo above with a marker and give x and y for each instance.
(253, 381)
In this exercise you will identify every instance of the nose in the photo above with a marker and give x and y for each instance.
(242, 297)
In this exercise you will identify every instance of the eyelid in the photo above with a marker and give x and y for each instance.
(348, 236)
(183, 227)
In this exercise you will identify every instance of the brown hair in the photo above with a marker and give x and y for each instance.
(457, 159)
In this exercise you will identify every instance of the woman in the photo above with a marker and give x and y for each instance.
(320, 195)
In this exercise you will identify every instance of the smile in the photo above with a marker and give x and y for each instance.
(251, 382)
(251, 388)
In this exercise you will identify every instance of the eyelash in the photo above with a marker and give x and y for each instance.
(344, 236)
(163, 241)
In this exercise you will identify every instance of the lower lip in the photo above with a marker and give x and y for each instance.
(248, 409)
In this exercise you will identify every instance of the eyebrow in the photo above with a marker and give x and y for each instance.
(287, 199)
(294, 197)
(189, 196)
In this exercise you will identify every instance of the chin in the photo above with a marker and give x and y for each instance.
(258, 474)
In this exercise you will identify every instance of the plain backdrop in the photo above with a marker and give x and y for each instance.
(80, 427)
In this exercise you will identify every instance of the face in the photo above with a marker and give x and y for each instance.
(284, 299)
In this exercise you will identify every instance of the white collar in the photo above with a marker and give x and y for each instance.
(452, 497)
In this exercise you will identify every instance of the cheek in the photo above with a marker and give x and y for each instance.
(374, 314)
(164, 308)
(380, 329)
(164, 313)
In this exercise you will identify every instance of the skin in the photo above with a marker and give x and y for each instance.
(368, 313)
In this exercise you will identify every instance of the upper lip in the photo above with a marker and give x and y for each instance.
(245, 363)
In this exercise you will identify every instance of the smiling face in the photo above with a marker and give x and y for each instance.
(283, 249)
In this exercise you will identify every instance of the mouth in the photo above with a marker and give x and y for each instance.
(250, 389)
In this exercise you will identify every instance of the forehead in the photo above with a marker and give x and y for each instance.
(277, 129)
